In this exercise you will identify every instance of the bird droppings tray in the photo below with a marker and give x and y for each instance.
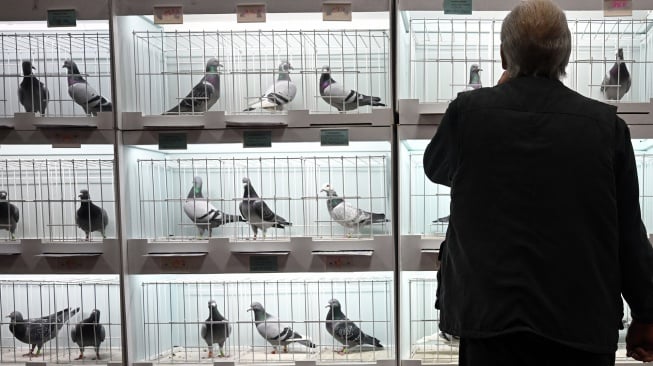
(66, 255)
(15, 357)
(180, 355)
(177, 254)
(363, 253)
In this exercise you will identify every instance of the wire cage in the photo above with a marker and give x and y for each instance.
(425, 205)
(175, 312)
(442, 51)
(168, 64)
(291, 186)
(428, 203)
(60, 305)
(47, 50)
(46, 193)
(431, 346)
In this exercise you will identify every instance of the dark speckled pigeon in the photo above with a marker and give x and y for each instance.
(38, 331)
(617, 82)
(344, 330)
(204, 94)
(33, 94)
(91, 217)
(257, 212)
(9, 215)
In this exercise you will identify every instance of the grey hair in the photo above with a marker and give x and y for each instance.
(535, 40)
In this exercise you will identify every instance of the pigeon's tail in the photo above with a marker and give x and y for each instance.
(369, 100)
(174, 110)
(307, 343)
(64, 315)
(367, 339)
(281, 224)
(442, 219)
(378, 218)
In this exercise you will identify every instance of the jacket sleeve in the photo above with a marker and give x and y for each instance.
(440, 154)
(635, 250)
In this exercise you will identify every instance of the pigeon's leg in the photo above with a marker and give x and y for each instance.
(31, 352)
(343, 351)
(210, 352)
(221, 350)
(81, 354)
(13, 237)
(88, 236)
(285, 348)
(97, 353)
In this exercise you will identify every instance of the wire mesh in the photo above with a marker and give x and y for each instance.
(47, 52)
(169, 64)
(430, 345)
(290, 186)
(46, 194)
(428, 203)
(442, 51)
(175, 312)
(37, 299)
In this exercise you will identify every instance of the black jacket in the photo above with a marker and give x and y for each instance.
(545, 231)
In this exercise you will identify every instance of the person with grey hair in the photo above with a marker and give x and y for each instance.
(545, 233)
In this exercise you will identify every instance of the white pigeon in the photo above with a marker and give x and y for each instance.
(82, 93)
(342, 99)
(280, 93)
(474, 78)
(274, 331)
(201, 212)
(347, 215)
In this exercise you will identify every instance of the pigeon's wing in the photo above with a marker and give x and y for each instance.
(198, 97)
(199, 210)
(270, 329)
(14, 212)
(261, 208)
(100, 333)
(347, 214)
(45, 97)
(74, 334)
(347, 330)
(205, 336)
(24, 96)
(105, 218)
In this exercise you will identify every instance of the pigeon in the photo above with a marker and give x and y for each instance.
(342, 99)
(347, 215)
(275, 332)
(344, 330)
(617, 82)
(89, 333)
(36, 332)
(444, 219)
(203, 213)
(33, 94)
(203, 95)
(278, 94)
(91, 217)
(474, 78)
(9, 215)
(82, 93)
(449, 339)
(216, 329)
(257, 212)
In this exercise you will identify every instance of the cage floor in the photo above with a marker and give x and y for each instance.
(67, 356)
(181, 355)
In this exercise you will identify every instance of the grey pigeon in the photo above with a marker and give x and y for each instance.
(449, 339)
(37, 331)
(617, 82)
(280, 93)
(275, 332)
(343, 99)
(203, 95)
(257, 212)
(91, 217)
(216, 329)
(89, 333)
(344, 330)
(474, 78)
(200, 211)
(444, 219)
(347, 215)
(9, 215)
(82, 93)
(33, 94)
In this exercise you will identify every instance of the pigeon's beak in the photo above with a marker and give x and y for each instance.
(249, 309)
(480, 69)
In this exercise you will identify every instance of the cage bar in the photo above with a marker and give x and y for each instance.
(168, 64)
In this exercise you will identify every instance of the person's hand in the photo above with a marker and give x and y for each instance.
(504, 77)
(639, 341)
